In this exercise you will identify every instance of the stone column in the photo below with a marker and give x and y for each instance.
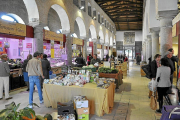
(102, 55)
(85, 49)
(147, 53)
(149, 46)
(69, 49)
(155, 42)
(38, 34)
(144, 51)
(166, 34)
(95, 47)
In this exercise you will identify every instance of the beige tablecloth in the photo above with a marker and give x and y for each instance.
(100, 100)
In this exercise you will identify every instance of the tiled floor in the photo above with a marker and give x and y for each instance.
(131, 100)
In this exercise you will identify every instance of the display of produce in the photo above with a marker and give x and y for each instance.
(80, 78)
(56, 62)
(107, 70)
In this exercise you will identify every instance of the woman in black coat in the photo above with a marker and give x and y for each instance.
(154, 65)
(46, 67)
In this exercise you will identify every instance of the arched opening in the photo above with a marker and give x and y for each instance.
(81, 26)
(14, 10)
(111, 41)
(12, 18)
(54, 22)
(93, 32)
(107, 39)
(63, 18)
(101, 35)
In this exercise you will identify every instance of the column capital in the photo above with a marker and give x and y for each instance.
(168, 14)
(155, 30)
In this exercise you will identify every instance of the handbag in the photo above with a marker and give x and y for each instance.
(147, 70)
(153, 103)
(170, 112)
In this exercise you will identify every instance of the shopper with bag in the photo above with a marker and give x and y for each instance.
(163, 82)
(155, 64)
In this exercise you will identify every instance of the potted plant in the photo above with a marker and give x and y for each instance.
(11, 113)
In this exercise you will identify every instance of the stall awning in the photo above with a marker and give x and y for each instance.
(77, 41)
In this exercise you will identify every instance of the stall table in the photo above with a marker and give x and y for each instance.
(100, 100)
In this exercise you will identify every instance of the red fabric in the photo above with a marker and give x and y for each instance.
(179, 75)
(88, 58)
(126, 59)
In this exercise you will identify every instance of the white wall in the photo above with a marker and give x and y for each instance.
(120, 35)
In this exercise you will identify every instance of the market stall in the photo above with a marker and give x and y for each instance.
(99, 92)
(77, 47)
(99, 51)
(17, 41)
(54, 47)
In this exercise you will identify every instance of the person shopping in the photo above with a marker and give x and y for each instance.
(4, 77)
(34, 70)
(25, 74)
(155, 64)
(163, 82)
(46, 67)
(80, 61)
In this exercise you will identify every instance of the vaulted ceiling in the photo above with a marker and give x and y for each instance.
(126, 14)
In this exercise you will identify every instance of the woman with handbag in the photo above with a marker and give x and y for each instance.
(163, 82)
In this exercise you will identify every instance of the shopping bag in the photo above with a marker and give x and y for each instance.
(153, 103)
(147, 70)
(170, 112)
(152, 85)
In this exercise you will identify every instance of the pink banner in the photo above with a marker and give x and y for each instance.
(28, 45)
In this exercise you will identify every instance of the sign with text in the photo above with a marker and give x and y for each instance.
(28, 45)
(77, 41)
(99, 46)
(49, 35)
(12, 28)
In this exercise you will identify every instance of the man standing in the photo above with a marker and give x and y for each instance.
(168, 56)
(80, 61)
(4, 77)
(95, 59)
(34, 70)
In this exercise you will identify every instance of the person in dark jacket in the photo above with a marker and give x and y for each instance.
(80, 61)
(25, 73)
(46, 67)
(107, 57)
(173, 58)
(154, 65)
(168, 56)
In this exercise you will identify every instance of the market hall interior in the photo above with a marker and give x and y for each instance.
(89, 59)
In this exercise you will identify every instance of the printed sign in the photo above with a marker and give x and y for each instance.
(28, 45)
(98, 46)
(49, 35)
(12, 28)
(77, 41)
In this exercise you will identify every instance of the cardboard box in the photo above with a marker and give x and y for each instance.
(81, 111)
(83, 117)
(82, 104)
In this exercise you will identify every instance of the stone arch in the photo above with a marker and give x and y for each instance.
(93, 32)
(32, 10)
(63, 17)
(101, 35)
(82, 28)
(17, 9)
